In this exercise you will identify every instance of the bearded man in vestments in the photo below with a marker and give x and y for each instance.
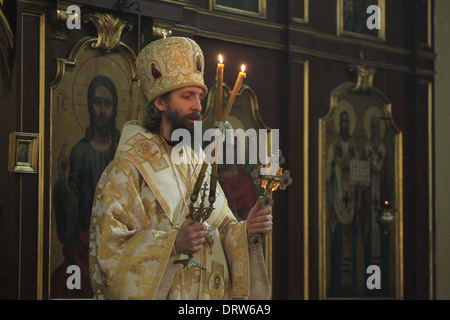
(139, 224)
(342, 220)
(375, 153)
(74, 190)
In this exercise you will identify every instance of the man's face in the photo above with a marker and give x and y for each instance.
(374, 127)
(183, 108)
(216, 282)
(345, 125)
(103, 109)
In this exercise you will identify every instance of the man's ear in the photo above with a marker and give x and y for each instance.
(159, 104)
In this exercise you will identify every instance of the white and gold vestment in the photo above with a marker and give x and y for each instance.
(136, 212)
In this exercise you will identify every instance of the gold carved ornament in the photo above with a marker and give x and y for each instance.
(109, 30)
(364, 82)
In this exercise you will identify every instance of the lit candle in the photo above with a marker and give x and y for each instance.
(387, 205)
(219, 78)
(199, 182)
(236, 88)
(219, 88)
(213, 182)
(212, 190)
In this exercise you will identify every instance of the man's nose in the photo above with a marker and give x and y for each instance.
(197, 106)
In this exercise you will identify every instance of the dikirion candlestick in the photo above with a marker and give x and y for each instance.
(236, 88)
(241, 76)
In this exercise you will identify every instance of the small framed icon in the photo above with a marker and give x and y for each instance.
(23, 152)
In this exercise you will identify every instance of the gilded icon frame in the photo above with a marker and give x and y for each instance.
(343, 28)
(395, 233)
(23, 152)
(255, 8)
(301, 12)
(89, 57)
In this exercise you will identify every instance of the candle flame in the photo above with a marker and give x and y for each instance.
(220, 58)
(243, 68)
(386, 203)
(276, 184)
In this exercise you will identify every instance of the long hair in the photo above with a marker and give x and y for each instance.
(96, 82)
(151, 117)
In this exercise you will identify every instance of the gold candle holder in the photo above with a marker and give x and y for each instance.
(198, 214)
(386, 217)
(202, 212)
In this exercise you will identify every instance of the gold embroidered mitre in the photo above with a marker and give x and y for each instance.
(168, 64)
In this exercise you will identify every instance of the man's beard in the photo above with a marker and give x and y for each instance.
(375, 140)
(103, 126)
(344, 134)
(178, 122)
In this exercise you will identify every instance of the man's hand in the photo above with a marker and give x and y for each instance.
(259, 220)
(190, 237)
